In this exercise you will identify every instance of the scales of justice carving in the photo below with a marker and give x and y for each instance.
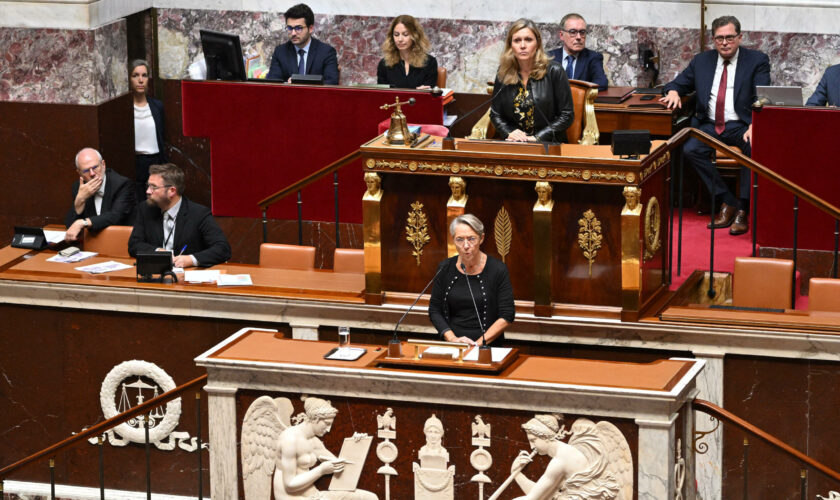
(136, 381)
(287, 453)
(433, 480)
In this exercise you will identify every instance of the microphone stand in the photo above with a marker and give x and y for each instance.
(394, 345)
(485, 354)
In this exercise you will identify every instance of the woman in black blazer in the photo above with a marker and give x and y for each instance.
(149, 148)
(406, 63)
(532, 100)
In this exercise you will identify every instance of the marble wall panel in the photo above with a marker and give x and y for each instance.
(63, 66)
(470, 49)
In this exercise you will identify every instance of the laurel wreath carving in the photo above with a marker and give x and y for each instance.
(589, 237)
(653, 219)
(503, 232)
(417, 230)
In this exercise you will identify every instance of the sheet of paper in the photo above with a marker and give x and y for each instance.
(73, 258)
(104, 267)
(234, 280)
(347, 353)
(201, 276)
(54, 236)
(441, 351)
(498, 354)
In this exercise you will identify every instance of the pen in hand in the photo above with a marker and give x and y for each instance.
(182, 251)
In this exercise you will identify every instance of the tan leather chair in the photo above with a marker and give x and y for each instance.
(111, 241)
(824, 294)
(441, 78)
(287, 256)
(584, 128)
(349, 260)
(762, 282)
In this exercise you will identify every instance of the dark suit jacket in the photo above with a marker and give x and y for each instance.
(321, 60)
(828, 90)
(117, 204)
(753, 69)
(195, 227)
(156, 107)
(589, 66)
(395, 75)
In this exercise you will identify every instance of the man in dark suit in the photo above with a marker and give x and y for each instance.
(828, 90)
(579, 62)
(169, 221)
(99, 199)
(725, 81)
(303, 54)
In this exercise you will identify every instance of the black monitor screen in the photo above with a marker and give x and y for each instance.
(223, 56)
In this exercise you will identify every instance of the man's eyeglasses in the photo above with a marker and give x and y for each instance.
(89, 170)
(155, 188)
(726, 38)
(574, 33)
(471, 239)
(296, 29)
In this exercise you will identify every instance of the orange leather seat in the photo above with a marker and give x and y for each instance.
(441, 77)
(349, 260)
(824, 294)
(111, 241)
(287, 256)
(762, 282)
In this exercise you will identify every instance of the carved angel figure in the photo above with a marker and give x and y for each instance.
(595, 464)
(294, 454)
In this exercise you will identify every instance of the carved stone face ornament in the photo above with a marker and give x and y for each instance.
(322, 426)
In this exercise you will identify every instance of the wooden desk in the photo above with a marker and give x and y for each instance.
(646, 402)
(625, 116)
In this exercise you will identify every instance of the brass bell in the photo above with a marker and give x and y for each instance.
(398, 132)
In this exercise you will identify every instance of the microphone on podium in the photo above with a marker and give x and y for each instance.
(484, 352)
(449, 140)
(394, 350)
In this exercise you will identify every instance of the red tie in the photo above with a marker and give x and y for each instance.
(720, 123)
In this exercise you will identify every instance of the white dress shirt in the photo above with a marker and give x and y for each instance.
(729, 113)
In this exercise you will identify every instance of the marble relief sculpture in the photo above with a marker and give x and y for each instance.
(480, 459)
(432, 479)
(292, 453)
(386, 451)
(595, 464)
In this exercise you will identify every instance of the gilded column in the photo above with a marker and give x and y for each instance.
(542, 249)
(631, 249)
(372, 232)
(455, 207)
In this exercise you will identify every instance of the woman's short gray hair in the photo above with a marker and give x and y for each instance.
(470, 220)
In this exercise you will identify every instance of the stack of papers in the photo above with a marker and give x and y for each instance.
(78, 257)
(104, 267)
(441, 351)
(54, 236)
(202, 276)
(234, 280)
(498, 353)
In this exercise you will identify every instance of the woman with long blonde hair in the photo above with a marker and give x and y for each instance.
(406, 62)
(532, 99)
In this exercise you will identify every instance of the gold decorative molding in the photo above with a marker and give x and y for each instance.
(417, 229)
(590, 133)
(503, 232)
(632, 195)
(653, 219)
(702, 448)
(589, 237)
(653, 167)
(374, 187)
(498, 170)
(458, 187)
(544, 202)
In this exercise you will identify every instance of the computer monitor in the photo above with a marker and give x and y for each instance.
(223, 55)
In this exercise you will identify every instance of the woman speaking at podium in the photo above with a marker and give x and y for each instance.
(472, 290)
(406, 63)
(531, 100)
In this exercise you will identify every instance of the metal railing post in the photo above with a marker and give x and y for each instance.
(754, 212)
(680, 229)
(836, 247)
(746, 469)
(265, 225)
(300, 218)
(198, 449)
(803, 484)
(795, 231)
(670, 221)
(711, 292)
(52, 479)
(148, 458)
(335, 197)
(101, 443)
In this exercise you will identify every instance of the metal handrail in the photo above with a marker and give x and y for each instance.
(722, 414)
(101, 427)
(309, 179)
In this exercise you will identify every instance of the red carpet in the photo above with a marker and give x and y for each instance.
(695, 249)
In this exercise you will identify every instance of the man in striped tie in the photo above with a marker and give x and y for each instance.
(724, 79)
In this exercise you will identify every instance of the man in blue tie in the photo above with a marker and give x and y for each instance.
(724, 80)
(579, 62)
(303, 54)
